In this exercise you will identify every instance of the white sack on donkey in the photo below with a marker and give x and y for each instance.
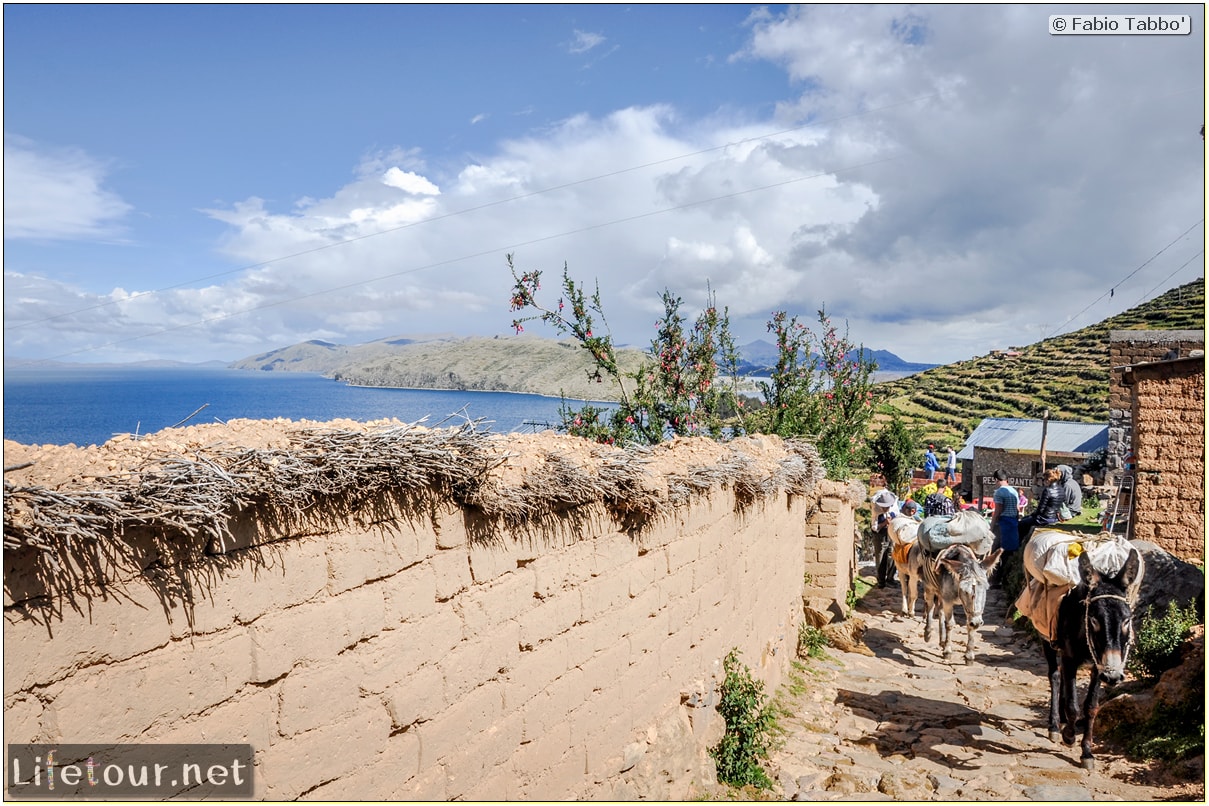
(1051, 570)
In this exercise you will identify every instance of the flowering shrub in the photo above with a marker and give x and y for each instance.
(690, 384)
(825, 396)
(678, 392)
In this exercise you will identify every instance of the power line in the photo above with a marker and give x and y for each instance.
(483, 253)
(1146, 296)
(467, 210)
(1111, 290)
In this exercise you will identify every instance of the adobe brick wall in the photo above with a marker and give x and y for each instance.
(831, 540)
(402, 660)
(1128, 347)
(1168, 413)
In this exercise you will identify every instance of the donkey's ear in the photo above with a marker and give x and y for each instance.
(1131, 570)
(992, 560)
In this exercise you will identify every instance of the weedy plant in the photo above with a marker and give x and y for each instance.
(811, 642)
(1175, 730)
(1157, 645)
(751, 726)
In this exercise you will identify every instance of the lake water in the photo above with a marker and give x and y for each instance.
(89, 405)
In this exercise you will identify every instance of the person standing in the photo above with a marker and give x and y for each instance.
(931, 465)
(1005, 523)
(951, 465)
(885, 509)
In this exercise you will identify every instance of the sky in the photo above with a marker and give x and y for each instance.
(212, 182)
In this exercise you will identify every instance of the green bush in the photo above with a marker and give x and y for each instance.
(751, 724)
(1172, 732)
(811, 641)
(1157, 644)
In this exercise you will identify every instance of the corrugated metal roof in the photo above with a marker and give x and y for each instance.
(1008, 434)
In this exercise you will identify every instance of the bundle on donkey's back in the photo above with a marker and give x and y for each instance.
(952, 555)
(1079, 594)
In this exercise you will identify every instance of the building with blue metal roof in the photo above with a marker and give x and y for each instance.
(1014, 434)
(1014, 446)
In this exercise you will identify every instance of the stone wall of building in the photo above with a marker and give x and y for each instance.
(389, 656)
(1126, 348)
(1168, 415)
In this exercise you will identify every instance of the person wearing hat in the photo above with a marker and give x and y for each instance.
(885, 509)
(931, 463)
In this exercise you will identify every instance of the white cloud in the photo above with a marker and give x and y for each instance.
(583, 41)
(410, 182)
(964, 179)
(57, 194)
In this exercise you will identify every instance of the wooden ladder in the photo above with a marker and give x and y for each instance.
(1123, 505)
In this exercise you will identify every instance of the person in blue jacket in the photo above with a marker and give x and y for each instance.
(931, 464)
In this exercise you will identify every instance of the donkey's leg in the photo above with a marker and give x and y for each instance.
(946, 628)
(971, 638)
(1055, 679)
(1091, 706)
(906, 582)
(1068, 702)
(929, 612)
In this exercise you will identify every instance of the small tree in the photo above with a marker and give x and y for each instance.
(845, 401)
(891, 452)
(678, 392)
(825, 397)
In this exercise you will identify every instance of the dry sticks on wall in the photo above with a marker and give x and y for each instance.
(199, 494)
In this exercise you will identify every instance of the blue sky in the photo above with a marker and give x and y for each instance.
(210, 182)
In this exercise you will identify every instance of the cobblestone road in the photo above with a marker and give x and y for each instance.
(902, 724)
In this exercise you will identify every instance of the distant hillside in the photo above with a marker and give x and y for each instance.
(502, 364)
(1067, 374)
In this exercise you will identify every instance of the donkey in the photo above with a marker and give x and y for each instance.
(954, 576)
(903, 532)
(1094, 626)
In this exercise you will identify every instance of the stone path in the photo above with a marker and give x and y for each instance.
(901, 724)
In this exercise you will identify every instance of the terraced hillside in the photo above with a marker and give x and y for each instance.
(1067, 374)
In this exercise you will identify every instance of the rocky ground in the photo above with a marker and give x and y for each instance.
(901, 724)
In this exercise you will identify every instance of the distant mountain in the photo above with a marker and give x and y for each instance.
(759, 356)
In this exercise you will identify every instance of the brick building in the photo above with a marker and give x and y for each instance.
(1126, 349)
(1167, 418)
